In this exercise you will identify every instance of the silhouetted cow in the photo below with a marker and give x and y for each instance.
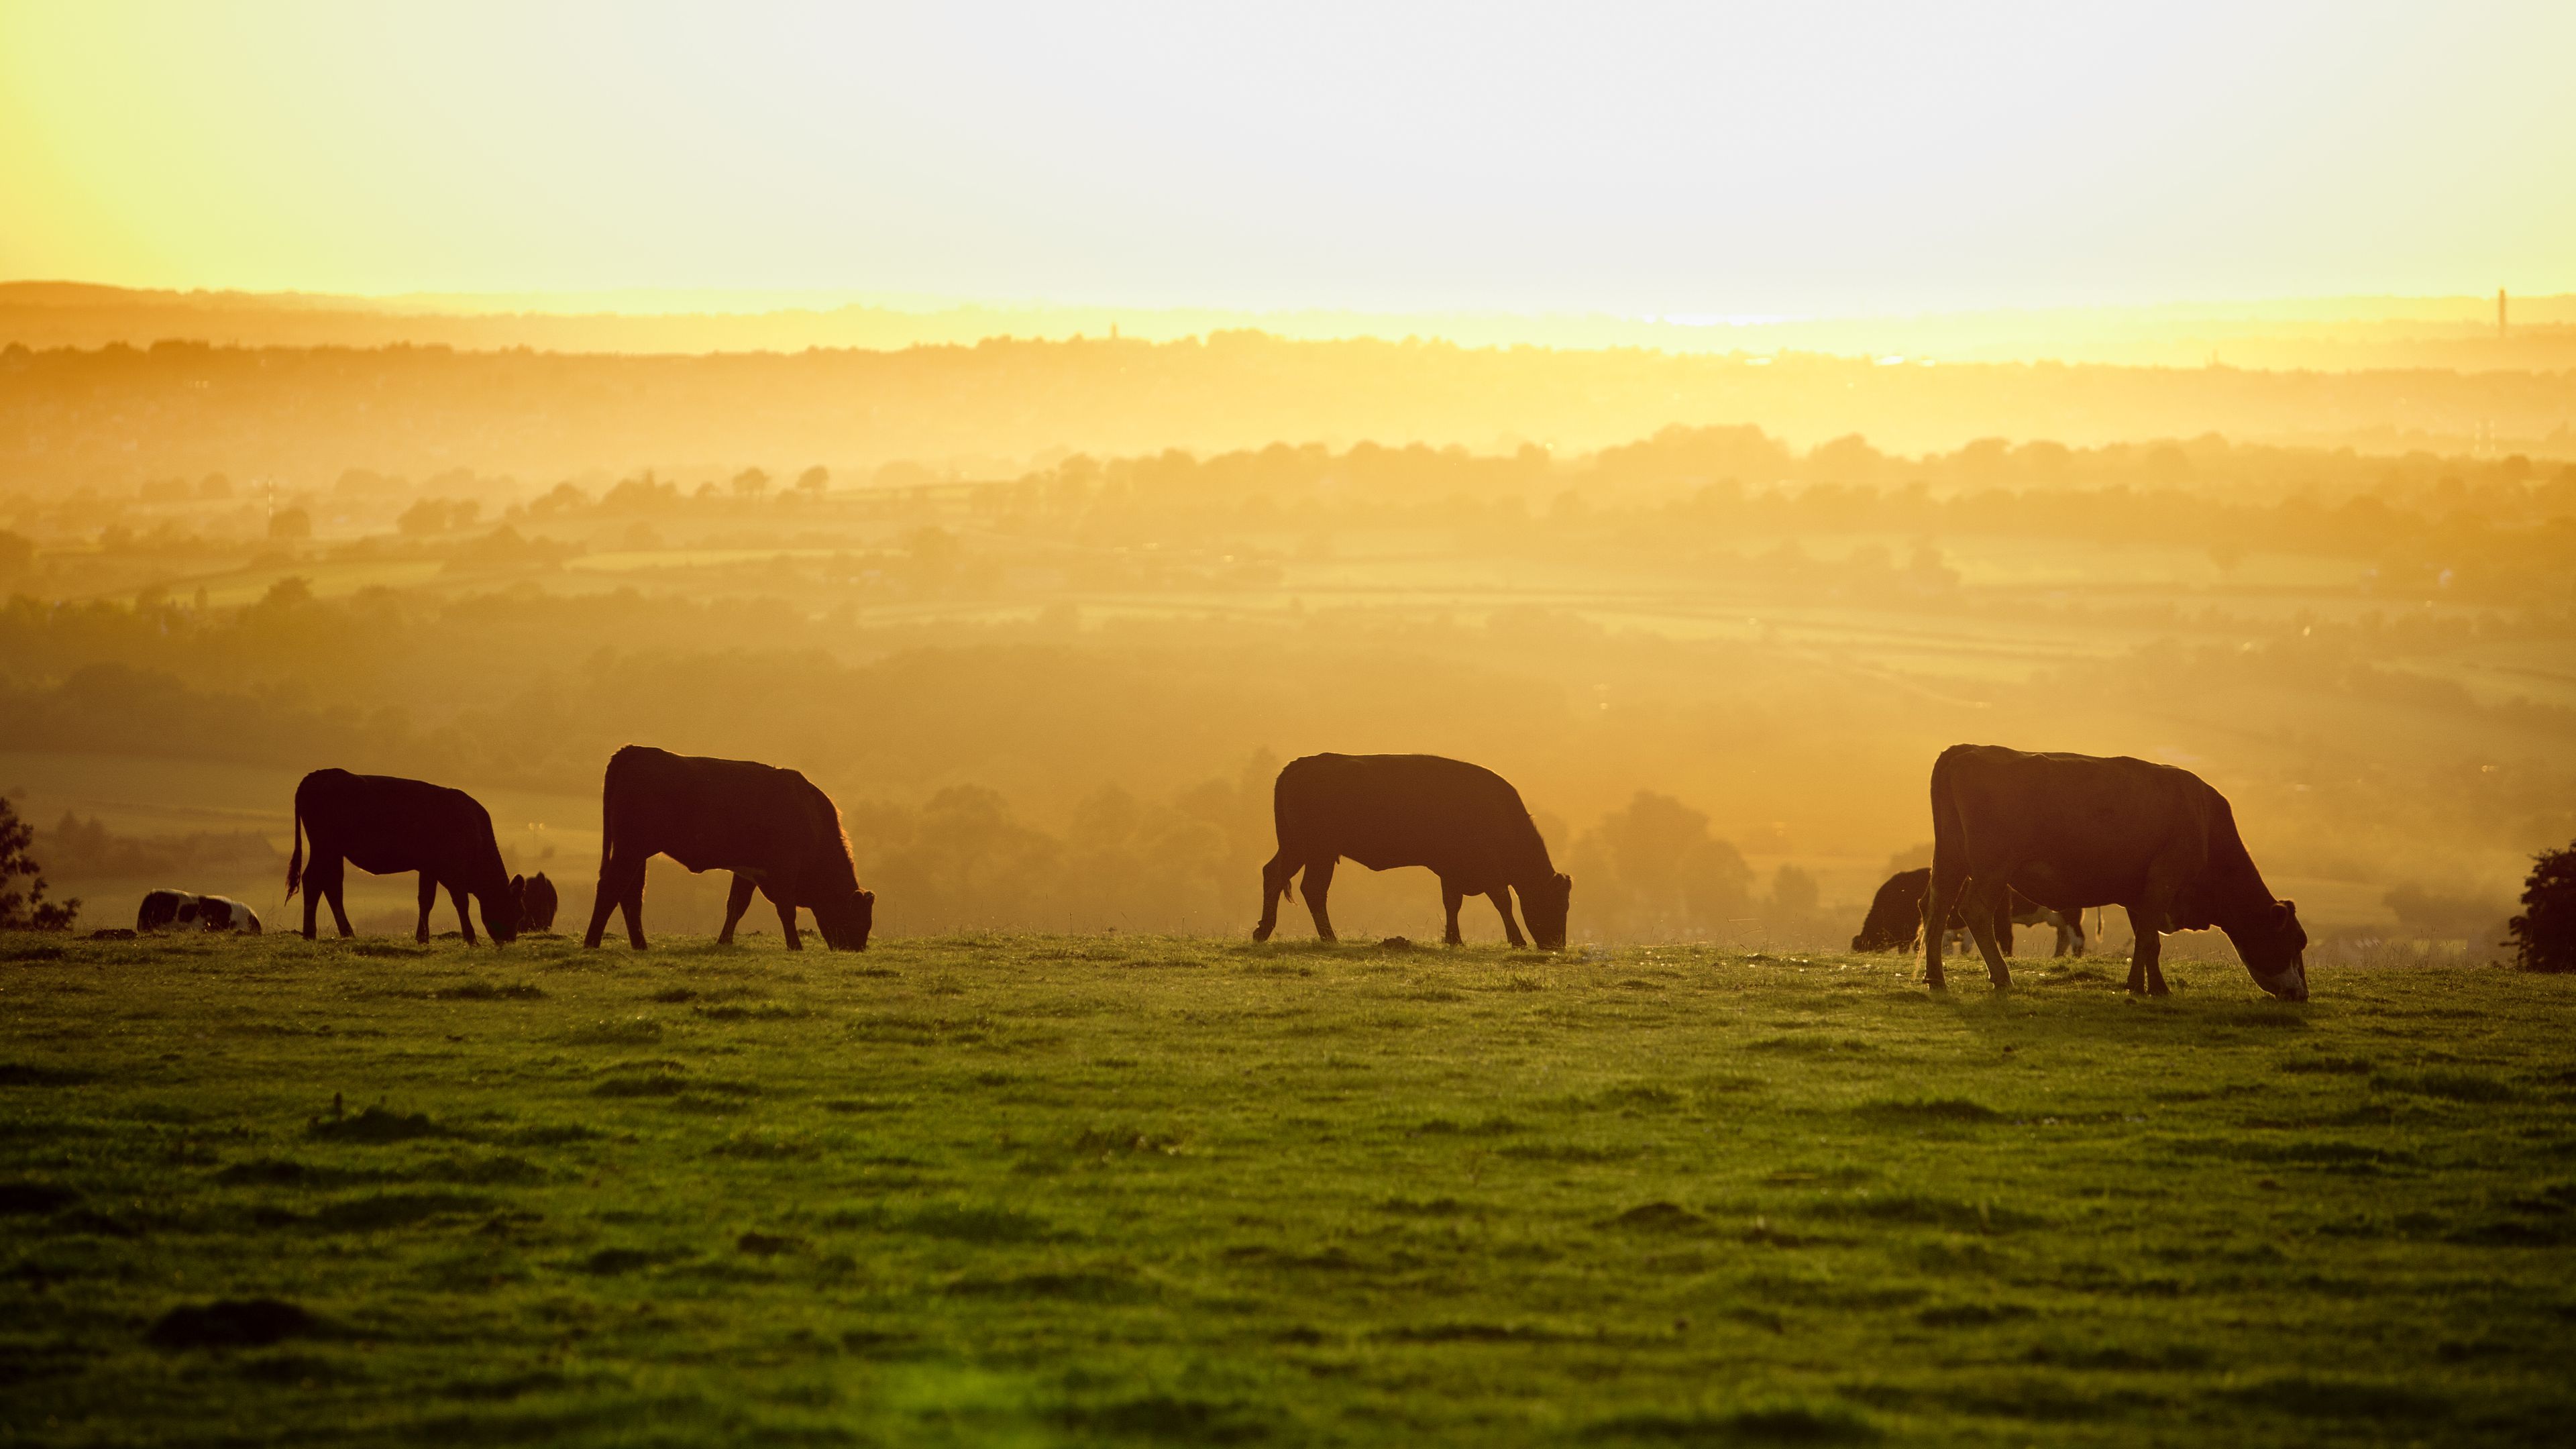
(537, 902)
(167, 910)
(2072, 831)
(1895, 920)
(385, 825)
(771, 827)
(1463, 821)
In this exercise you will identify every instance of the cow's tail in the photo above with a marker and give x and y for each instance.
(1949, 834)
(1949, 849)
(295, 862)
(607, 820)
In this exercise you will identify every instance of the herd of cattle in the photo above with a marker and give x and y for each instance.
(2017, 839)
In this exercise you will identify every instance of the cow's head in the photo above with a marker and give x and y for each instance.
(536, 897)
(2275, 950)
(1544, 906)
(1878, 935)
(846, 920)
(502, 910)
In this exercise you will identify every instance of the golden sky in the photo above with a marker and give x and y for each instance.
(1687, 158)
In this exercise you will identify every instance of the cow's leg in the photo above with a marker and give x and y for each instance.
(1985, 903)
(312, 893)
(1318, 884)
(335, 884)
(631, 901)
(464, 918)
(1940, 898)
(2004, 923)
(737, 901)
(2073, 929)
(428, 898)
(787, 924)
(2146, 971)
(600, 905)
(1501, 896)
(1274, 889)
(1450, 898)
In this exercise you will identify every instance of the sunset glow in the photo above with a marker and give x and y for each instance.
(1674, 158)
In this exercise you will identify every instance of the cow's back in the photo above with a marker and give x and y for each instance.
(717, 814)
(2082, 829)
(1394, 810)
(387, 824)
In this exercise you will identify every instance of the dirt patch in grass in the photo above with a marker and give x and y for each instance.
(231, 1323)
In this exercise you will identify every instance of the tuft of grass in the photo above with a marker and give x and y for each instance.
(1927, 1111)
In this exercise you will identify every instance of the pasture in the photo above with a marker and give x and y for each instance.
(1110, 1190)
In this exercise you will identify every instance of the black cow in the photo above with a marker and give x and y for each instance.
(771, 827)
(168, 910)
(2071, 831)
(1463, 821)
(385, 825)
(1895, 919)
(537, 902)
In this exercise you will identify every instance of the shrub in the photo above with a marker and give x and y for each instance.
(2544, 935)
(27, 911)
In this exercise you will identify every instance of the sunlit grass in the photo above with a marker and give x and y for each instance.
(1105, 1189)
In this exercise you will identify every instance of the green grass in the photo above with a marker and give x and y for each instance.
(1049, 1190)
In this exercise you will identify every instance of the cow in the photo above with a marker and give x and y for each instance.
(169, 910)
(537, 902)
(384, 825)
(1463, 821)
(2071, 831)
(771, 827)
(1895, 918)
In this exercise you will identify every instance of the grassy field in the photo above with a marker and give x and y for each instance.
(1041, 1190)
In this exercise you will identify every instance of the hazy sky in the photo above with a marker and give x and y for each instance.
(1790, 158)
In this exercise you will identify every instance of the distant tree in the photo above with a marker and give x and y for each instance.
(290, 524)
(815, 479)
(2544, 935)
(2227, 553)
(750, 483)
(1794, 894)
(215, 485)
(17, 552)
(427, 516)
(26, 910)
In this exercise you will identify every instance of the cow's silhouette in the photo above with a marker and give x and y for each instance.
(385, 825)
(2071, 831)
(1895, 920)
(1463, 821)
(772, 828)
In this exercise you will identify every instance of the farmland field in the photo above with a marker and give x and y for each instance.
(1001, 1189)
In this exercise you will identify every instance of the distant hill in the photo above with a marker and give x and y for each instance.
(122, 416)
(2337, 334)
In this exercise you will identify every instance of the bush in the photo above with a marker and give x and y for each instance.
(27, 912)
(2544, 935)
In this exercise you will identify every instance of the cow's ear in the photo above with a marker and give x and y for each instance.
(518, 885)
(868, 896)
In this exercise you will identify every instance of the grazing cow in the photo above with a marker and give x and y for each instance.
(1895, 919)
(2071, 831)
(1463, 821)
(385, 825)
(537, 902)
(168, 910)
(771, 827)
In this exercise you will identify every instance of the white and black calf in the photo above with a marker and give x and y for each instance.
(167, 910)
